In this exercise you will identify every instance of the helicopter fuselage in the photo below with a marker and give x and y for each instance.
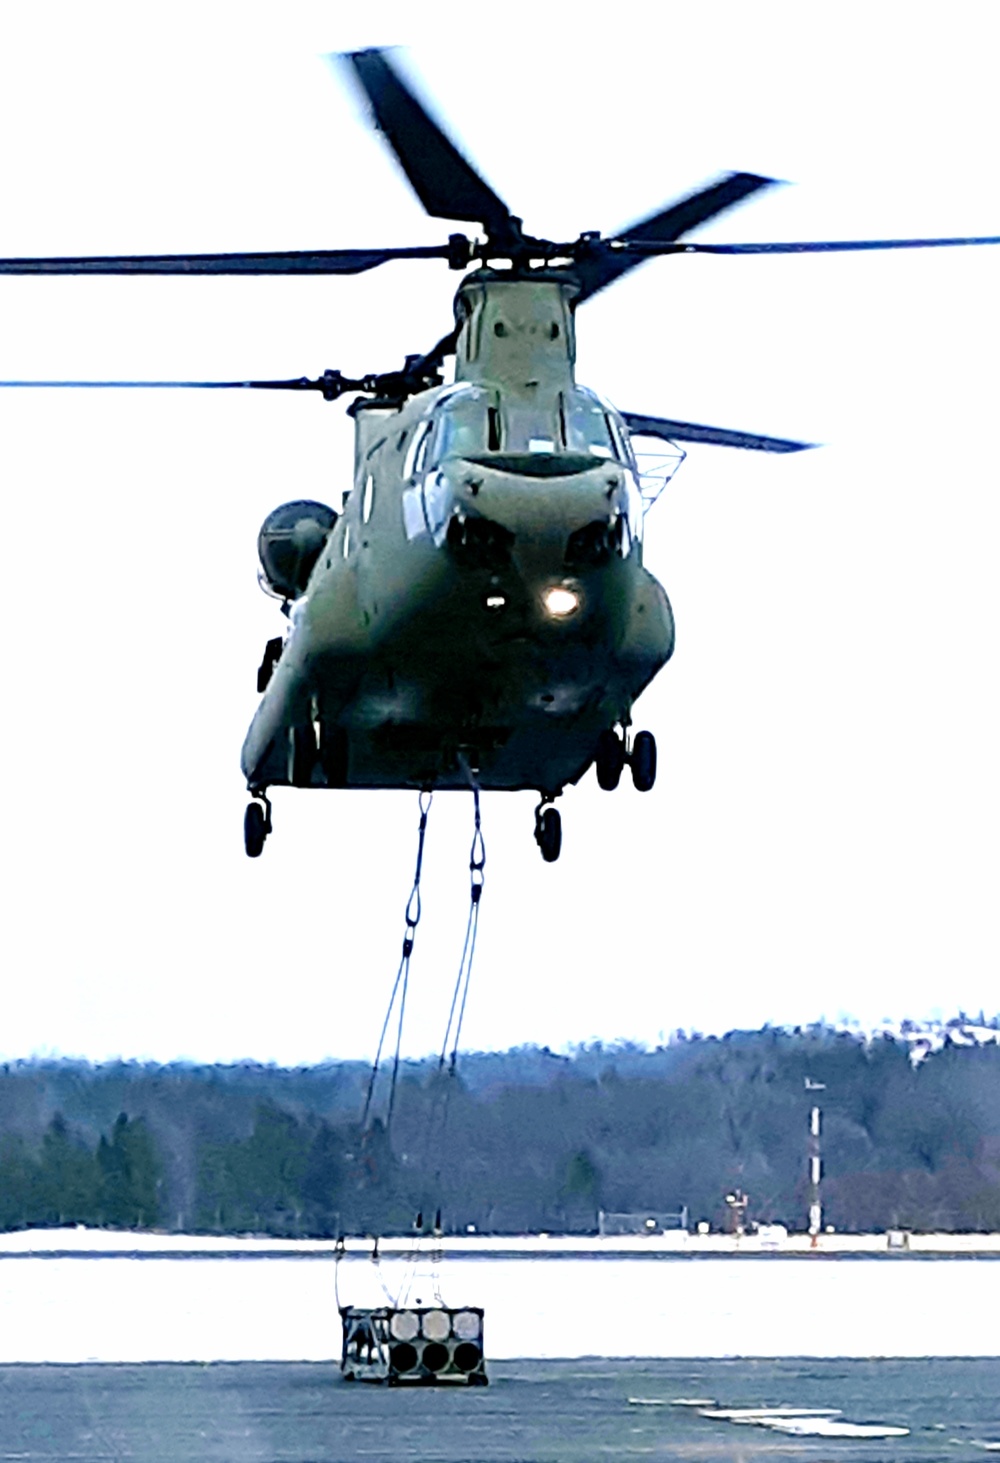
(481, 601)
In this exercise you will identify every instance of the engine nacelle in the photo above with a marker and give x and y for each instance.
(289, 543)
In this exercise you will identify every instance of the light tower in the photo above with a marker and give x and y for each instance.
(815, 1167)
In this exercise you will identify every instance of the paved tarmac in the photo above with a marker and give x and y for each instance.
(547, 1412)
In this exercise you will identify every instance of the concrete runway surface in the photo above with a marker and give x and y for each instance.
(549, 1412)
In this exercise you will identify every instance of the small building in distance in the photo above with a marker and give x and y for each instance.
(641, 1221)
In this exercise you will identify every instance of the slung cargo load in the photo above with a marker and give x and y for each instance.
(422, 1345)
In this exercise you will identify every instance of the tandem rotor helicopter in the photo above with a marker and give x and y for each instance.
(476, 611)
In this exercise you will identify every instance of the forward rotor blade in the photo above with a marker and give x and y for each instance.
(657, 233)
(670, 431)
(333, 384)
(447, 185)
(304, 261)
(810, 246)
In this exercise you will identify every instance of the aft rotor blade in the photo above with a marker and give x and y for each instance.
(670, 431)
(303, 261)
(810, 246)
(436, 355)
(658, 233)
(447, 185)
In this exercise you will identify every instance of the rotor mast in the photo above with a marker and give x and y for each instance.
(516, 327)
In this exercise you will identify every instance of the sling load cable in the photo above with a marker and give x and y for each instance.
(477, 866)
(339, 1251)
(412, 918)
(438, 1120)
(477, 879)
(400, 985)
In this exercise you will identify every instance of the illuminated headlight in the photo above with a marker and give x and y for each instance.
(560, 601)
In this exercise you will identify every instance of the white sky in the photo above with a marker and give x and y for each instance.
(822, 839)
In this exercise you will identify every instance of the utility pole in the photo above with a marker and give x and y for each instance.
(815, 1167)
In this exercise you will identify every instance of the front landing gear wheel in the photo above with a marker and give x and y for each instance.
(548, 833)
(254, 830)
(609, 760)
(642, 761)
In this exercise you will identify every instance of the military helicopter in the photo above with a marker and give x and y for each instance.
(477, 611)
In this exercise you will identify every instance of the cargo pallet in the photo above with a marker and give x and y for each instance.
(422, 1345)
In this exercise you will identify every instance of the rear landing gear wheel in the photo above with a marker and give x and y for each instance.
(548, 833)
(642, 761)
(255, 829)
(609, 760)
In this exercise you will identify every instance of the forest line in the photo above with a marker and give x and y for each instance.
(511, 1142)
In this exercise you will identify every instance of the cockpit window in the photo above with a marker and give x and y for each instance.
(460, 424)
(587, 425)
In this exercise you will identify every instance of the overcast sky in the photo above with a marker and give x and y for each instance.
(822, 838)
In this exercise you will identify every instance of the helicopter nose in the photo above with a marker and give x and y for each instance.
(477, 542)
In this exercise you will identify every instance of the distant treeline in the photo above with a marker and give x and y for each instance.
(519, 1141)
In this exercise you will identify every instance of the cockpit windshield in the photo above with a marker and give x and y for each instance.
(469, 421)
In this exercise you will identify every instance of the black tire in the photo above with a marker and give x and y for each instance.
(254, 830)
(333, 755)
(642, 761)
(549, 834)
(302, 755)
(609, 760)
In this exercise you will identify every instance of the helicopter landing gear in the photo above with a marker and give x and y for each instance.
(609, 760)
(642, 761)
(548, 831)
(256, 824)
(302, 754)
(272, 654)
(333, 754)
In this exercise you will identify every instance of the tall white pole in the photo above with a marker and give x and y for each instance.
(815, 1169)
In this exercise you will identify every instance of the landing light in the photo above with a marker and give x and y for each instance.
(495, 601)
(560, 601)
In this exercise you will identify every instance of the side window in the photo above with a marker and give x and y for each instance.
(368, 499)
(622, 453)
(634, 507)
(416, 453)
(437, 501)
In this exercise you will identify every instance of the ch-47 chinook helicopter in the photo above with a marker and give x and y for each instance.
(478, 610)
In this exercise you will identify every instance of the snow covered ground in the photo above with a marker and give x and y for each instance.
(74, 1297)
